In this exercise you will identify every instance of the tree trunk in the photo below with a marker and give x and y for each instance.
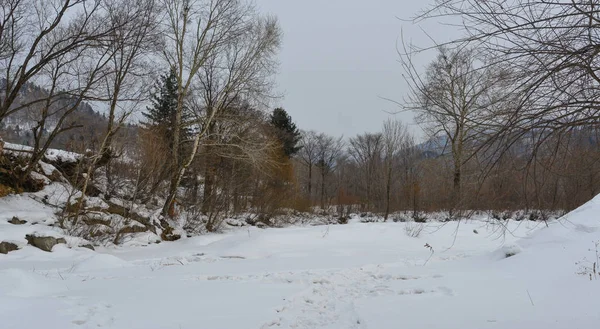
(175, 154)
(195, 188)
(456, 185)
(178, 175)
(310, 182)
(209, 173)
(387, 195)
(323, 191)
(207, 199)
(415, 196)
(236, 200)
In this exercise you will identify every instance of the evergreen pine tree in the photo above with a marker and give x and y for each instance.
(287, 132)
(161, 114)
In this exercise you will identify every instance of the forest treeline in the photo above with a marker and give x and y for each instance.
(186, 129)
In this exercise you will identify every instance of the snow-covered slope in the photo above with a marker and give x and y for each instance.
(542, 286)
(345, 276)
(51, 154)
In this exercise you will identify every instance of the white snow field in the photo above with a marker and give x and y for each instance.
(345, 276)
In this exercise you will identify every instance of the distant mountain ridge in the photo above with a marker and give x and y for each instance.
(18, 127)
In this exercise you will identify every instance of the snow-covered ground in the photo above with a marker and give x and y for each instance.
(344, 276)
(51, 154)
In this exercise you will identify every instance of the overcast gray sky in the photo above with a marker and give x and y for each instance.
(339, 58)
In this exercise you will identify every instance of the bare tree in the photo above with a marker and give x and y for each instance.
(124, 85)
(454, 100)
(56, 45)
(236, 77)
(239, 143)
(308, 156)
(552, 46)
(37, 38)
(328, 150)
(410, 164)
(396, 140)
(366, 150)
(205, 35)
(194, 31)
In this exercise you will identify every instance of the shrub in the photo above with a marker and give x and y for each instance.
(419, 218)
(400, 217)
(301, 204)
(534, 216)
(5, 190)
(520, 216)
(591, 268)
(194, 221)
(413, 230)
(343, 219)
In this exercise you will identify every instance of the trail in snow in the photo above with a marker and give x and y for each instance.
(328, 302)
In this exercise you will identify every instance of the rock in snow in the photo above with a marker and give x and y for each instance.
(88, 246)
(16, 221)
(45, 243)
(6, 247)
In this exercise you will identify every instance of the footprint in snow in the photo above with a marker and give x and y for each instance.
(447, 291)
(94, 316)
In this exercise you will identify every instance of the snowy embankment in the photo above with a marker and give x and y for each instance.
(50, 155)
(344, 276)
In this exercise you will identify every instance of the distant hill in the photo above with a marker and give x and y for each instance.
(434, 147)
(17, 128)
(581, 136)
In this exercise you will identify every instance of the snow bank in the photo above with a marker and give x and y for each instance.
(50, 155)
(582, 223)
(539, 286)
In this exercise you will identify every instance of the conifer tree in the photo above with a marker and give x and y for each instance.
(161, 114)
(287, 132)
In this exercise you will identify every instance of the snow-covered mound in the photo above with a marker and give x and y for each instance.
(99, 262)
(543, 280)
(573, 228)
(45, 208)
(50, 155)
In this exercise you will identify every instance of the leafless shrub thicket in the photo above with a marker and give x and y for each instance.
(413, 229)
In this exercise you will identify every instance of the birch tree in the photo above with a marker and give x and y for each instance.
(194, 30)
(223, 52)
